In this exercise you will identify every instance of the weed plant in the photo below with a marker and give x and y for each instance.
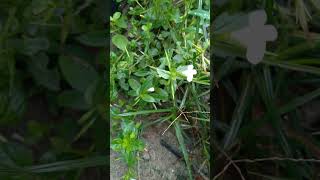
(159, 65)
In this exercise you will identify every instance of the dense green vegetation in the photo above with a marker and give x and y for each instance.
(159, 65)
(263, 107)
(52, 89)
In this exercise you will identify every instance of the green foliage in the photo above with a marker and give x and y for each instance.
(262, 104)
(51, 76)
(159, 63)
(128, 144)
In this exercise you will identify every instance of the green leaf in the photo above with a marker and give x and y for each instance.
(142, 73)
(163, 73)
(147, 98)
(94, 39)
(78, 74)
(123, 84)
(133, 93)
(49, 78)
(34, 45)
(161, 94)
(80, 51)
(120, 41)
(200, 13)
(72, 99)
(134, 84)
(96, 93)
(147, 84)
(119, 20)
(116, 15)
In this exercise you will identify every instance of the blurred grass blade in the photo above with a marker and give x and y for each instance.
(265, 86)
(69, 165)
(238, 115)
(293, 66)
(295, 51)
(84, 129)
(55, 167)
(231, 89)
(183, 148)
(295, 103)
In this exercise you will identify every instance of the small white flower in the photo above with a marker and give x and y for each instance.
(151, 89)
(189, 72)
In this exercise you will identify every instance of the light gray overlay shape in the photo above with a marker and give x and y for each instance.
(255, 36)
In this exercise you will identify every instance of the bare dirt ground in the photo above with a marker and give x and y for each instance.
(156, 161)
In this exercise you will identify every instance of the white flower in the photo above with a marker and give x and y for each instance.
(189, 72)
(151, 89)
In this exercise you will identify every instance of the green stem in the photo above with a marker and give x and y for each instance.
(144, 112)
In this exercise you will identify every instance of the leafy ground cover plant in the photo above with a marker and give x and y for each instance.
(159, 65)
(268, 135)
(52, 90)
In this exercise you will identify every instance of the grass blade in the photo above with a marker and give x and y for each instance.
(68, 165)
(55, 167)
(183, 148)
(292, 66)
(293, 104)
(144, 112)
(238, 115)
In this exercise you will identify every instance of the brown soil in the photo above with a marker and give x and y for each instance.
(156, 161)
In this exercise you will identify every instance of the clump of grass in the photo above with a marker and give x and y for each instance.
(266, 100)
(159, 63)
